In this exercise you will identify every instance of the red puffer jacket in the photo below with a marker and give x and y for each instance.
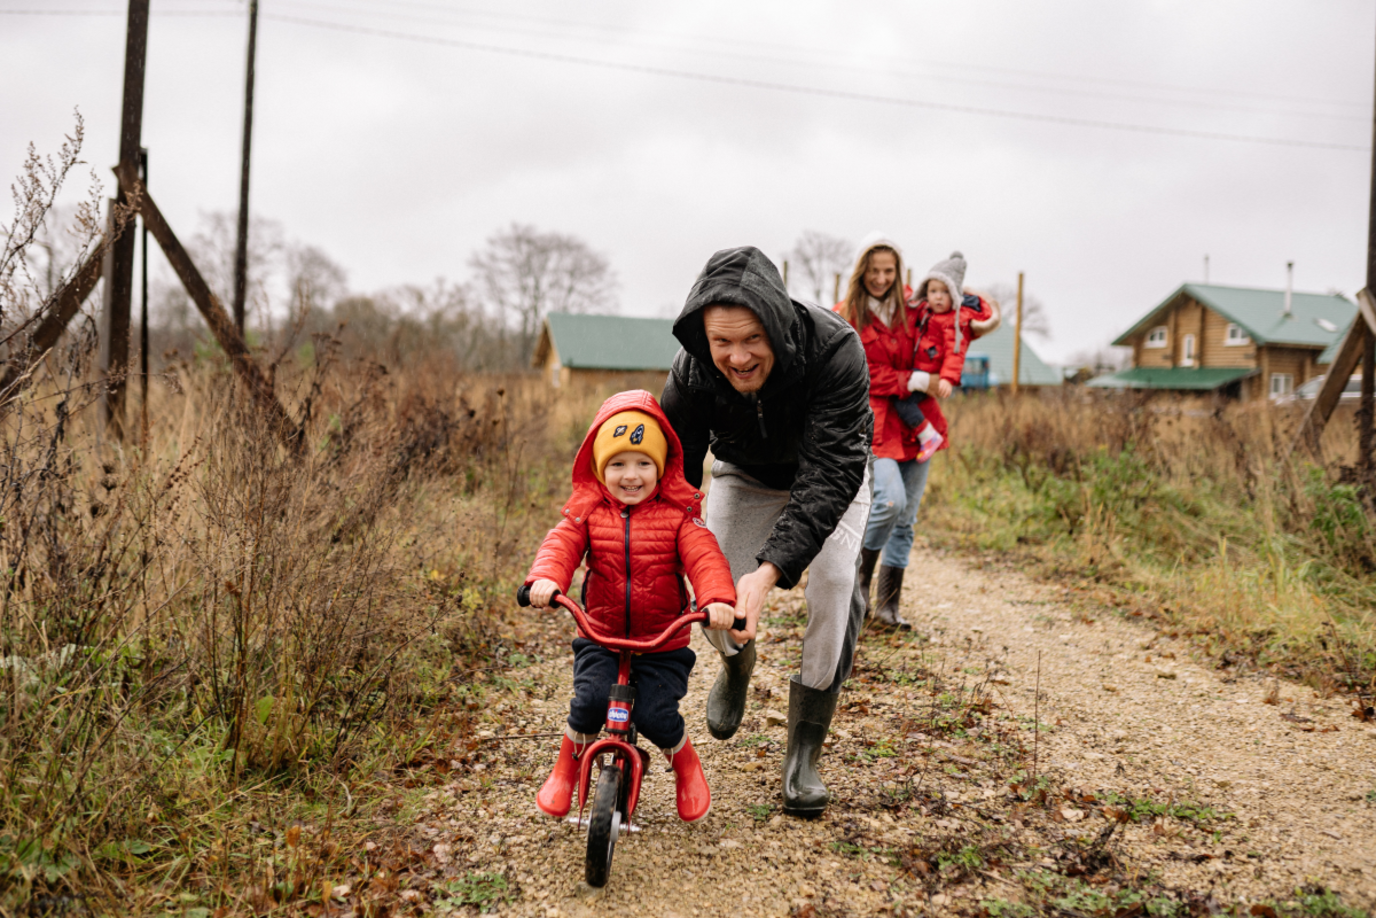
(889, 353)
(940, 351)
(636, 556)
(893, 354)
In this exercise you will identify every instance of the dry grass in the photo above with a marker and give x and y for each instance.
(1179, 510)
(208, 642)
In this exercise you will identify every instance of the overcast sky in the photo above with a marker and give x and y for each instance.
(397, 135)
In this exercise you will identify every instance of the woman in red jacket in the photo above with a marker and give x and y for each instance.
(638, 522)
(907, 364)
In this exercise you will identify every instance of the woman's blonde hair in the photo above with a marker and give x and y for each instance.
(856, 308)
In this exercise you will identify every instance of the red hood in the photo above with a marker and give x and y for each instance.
(672, 486)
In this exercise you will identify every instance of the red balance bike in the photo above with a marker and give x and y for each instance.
(621, 763)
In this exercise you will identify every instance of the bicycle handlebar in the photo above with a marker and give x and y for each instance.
(621, 643)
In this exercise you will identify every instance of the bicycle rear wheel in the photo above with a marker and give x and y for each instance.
(604, 825)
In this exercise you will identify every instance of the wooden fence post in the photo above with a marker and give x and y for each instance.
(1017, 341)
(1352, 349)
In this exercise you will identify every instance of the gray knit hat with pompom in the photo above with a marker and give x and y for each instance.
(950, 272)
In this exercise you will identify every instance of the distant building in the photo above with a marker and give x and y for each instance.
(1234, 341)
(598, 350)
(995, 350)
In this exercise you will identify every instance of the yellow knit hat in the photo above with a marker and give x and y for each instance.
(635, 431)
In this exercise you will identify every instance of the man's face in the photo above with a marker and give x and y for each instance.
(740, 347)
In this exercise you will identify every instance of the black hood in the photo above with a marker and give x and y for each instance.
(740, 277)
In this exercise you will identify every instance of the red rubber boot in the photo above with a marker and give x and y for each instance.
(690, 784)
(556, 795)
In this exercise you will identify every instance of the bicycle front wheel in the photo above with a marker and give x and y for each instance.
(604, 825)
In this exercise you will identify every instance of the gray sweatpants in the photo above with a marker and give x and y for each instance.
(741, 513)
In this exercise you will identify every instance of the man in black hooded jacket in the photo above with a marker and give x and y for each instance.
(779, 390)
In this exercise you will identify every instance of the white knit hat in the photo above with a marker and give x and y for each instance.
(950, 272)
(873, 240)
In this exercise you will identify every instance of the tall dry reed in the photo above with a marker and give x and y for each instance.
(1196, 511)
(186, 621)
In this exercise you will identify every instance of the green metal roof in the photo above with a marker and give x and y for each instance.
(1332, 350)
(998, 347)
(612, 342)
(1193, 378)
(1260, 313)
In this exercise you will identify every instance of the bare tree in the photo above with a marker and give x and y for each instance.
(213, 246)
(1034, 317)
(523, 274)
(314, 280)
(818, 259)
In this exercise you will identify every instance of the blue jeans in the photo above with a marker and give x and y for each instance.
(898, 488)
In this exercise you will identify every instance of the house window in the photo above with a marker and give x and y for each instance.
(1156, 337)
(1187, 349)
(1235, 335)
(1282, 384)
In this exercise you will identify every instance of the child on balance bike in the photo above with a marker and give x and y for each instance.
(637, 521)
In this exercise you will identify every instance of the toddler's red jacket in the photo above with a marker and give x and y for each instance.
(939, 352)
(637, 555)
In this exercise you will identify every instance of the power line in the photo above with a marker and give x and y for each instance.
(822, 56)
(814, 57)
(748, 82)
(118, 13)
(685, 44)
(805, 90)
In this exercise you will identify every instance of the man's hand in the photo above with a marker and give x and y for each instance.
(943, 389)
(721, 615)
(541, 592)
(750, 594)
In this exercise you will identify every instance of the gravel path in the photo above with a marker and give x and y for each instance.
(1162, 785)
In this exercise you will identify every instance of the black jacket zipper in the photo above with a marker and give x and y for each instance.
(626, 515)
(759, 413)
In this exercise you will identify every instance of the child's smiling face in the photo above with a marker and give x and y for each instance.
(938, 297)
(631, 477)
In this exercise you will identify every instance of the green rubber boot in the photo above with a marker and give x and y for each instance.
(726, 703)
(863, 577)
(809, 718)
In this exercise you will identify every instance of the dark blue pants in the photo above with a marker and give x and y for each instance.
(909, 409)
(660, 680)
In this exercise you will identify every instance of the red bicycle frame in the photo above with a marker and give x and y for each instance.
(619, 703)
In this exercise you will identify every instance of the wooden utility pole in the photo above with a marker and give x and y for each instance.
(1366, 464)
(114, 349)
(221, 325)
(836, 290)
(58, 311)
(241, 244)
(1017, 341)
(143, 313)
